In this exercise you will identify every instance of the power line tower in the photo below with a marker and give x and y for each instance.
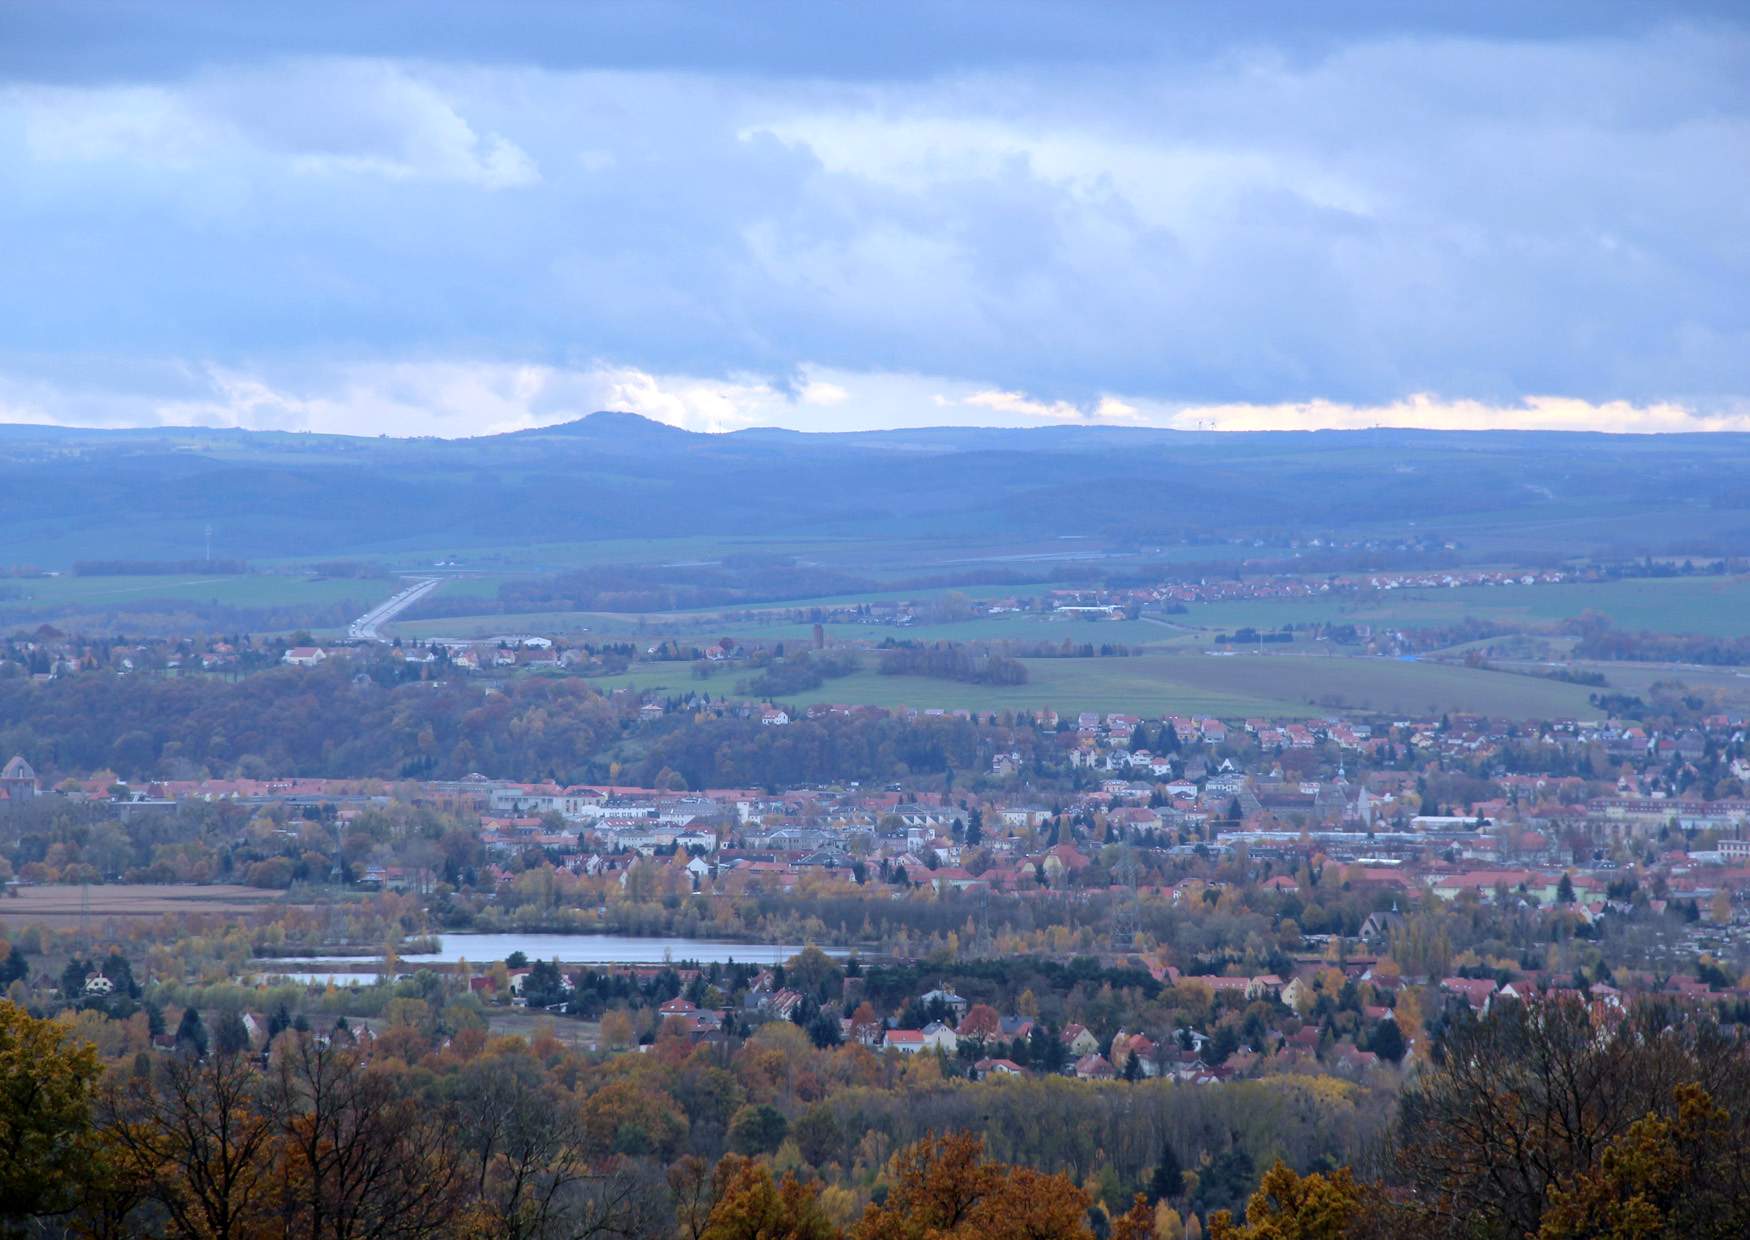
(336, 921)
(1127, 914)
(84, 947)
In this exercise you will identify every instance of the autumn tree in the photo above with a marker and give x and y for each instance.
(981, 1022)
(1683, 1176)
(813, 972)
(45, 1114)
(196, 1138)
(944, 1188)
(616, 1029)
(818, 1135)
(527, 1150)
(1530, 1097)
(1293, 1207)
(358, 1154)
(751, 1206)
(626, 1118)
(1136, 1223)
(690, 1185)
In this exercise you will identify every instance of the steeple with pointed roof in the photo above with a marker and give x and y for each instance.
(17, 780)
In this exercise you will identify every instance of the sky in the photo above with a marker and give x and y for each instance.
(457, 219)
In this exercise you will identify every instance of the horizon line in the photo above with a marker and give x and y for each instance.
(947, 428)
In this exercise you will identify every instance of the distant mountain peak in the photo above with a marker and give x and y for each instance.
(615, 423)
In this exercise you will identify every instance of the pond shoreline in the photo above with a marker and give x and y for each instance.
(484, 948)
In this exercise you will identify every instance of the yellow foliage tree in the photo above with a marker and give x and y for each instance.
(751, 1206)
(1292, 1207)
(1168, 1225)
(616, 1028)
(46, 1080)
(1661, 1177)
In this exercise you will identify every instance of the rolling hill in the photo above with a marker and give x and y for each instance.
(71, 494)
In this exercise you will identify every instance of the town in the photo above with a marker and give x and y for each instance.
(404, 846)
(1187, 901)
(922, 621)
(1625, 849)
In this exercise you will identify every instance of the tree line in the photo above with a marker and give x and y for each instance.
(953, 661)
(1550, 1120)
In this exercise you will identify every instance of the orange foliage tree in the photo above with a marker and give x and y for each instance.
(944, 1187)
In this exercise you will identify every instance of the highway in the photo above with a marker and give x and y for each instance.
(368, 627)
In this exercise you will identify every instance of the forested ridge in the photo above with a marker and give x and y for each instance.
(330, 722)
(1531, 1121)
(311, 722)
(132, 495)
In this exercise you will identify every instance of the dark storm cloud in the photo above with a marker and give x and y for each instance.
(1352, 204)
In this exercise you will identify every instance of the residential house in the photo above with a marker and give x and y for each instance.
(1078, 1040)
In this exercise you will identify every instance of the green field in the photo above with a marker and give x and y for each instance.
(887, 556)
(600, 626)
(48, 598)
(1016, 628)
(1716, 606)
(1158, 684)
(585, 625)
(1728, 687)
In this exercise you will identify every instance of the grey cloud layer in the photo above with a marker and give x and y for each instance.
(1356, 217)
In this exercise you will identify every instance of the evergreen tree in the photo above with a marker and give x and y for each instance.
(824, 1030)
(12, 967)
(73, 978)
(231, 1036)
(121, 974)
(1048, 1048)
(191, 1034)
(1168, 1180)
(1388, 1041)
(1226, 1181)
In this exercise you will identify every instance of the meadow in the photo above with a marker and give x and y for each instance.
(1187, 683)
(67, 597)
(888, 555)
(707, 626)
(1715, 606)
(1175, 672)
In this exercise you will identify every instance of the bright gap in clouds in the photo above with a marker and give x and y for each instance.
(461, 399)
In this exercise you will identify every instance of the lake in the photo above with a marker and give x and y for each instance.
(481, 948)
